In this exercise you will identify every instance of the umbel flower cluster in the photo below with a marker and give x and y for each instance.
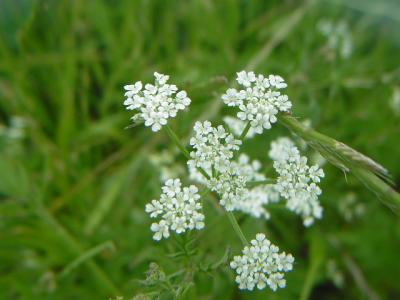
(297, 182)
(213, 147)
(179, 208)
(260, 100)
(214, 162)
(261, 264)
(155, 103)
(213, 151)
(242, 171)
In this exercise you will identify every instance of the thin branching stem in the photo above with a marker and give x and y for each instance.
(177, 141)
(245, 131)
(251, 184)
(237, 228)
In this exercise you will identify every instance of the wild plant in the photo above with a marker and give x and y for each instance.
(217, 165)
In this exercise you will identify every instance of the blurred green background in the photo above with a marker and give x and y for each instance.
(74, 183)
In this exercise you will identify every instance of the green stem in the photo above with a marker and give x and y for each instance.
(86, 256)
(251, 184)
(177, 142)
(245, 131)
(316, 258)
(304, 132)
(204, 192)
(309, 281)
(236, 227)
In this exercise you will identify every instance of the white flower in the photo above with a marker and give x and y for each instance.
(261, 264)
(260, 100)
(133, 89)
(249, 169)
(213, 147)
(166, 163)
(395, 100)
(256, 198)
(231, 186)
(297, 182)
(179, 209)
(213, 151)
(232, 97)
(280, 147)
(245, 79)
(161, 79)
(16, 129)
(350, 208)
(155, 104)
(236, 126)
(338, 36)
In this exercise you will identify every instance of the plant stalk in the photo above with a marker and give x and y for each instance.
(177, 141)
(245, 131)
(237, 228)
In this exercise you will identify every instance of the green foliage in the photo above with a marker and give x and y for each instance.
(74, 182)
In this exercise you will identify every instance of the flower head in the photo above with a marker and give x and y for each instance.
(280, 148)
(297, 182)
(155, 104)
(231, 186)
(213, 147)
(260, 100)
(261, 264)
(179, 208)
(338, 36)
(255, 198)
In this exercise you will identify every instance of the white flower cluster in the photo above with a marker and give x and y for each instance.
(249, 169)
(232, 186)
(236, 179)
(165, 161)
(237, 126)
(297, 182)
(280, 148)
(260, 100)
(213, 146)
(395, 101)
(15, 130)
(338, 36)
(350, 208)
(179, 208)
(255, 198)
(213, 151)
(261, 264)
(155, 103)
